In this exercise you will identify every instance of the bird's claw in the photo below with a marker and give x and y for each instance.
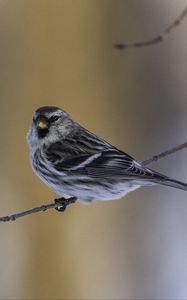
(64, 203)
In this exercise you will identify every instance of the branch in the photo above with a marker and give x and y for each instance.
(58, 204)
(156, 39)
(164, 154)
(62, 203)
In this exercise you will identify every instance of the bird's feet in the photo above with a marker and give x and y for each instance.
(63, 203)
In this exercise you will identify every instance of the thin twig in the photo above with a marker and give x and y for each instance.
(164, 154)
(62, 203)
(58, 204)
(156, 39)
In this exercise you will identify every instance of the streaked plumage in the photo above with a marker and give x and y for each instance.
(75, 162)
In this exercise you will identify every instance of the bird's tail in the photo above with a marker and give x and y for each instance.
(158, 178)
(174, 183)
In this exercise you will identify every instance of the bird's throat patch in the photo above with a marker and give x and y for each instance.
(42, 132)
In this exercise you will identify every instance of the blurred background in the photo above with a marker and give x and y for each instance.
(59, 52)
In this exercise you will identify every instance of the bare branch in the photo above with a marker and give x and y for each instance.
(164, 154)
(58, 204)
(156, 39)
(62, 203)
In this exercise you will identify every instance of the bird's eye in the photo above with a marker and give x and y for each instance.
(53, 119)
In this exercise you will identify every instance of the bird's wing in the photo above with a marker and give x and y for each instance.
(105, 164)
(88, 154)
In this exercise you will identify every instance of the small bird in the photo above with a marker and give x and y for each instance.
(75, 162)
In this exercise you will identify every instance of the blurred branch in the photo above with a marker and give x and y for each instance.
(58, 204)
(164, 154)
(62, 203)
(156, 39)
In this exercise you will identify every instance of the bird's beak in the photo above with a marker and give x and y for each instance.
(42, 124)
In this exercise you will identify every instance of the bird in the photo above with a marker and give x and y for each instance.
(75, 162)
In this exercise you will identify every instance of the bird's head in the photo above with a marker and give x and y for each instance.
(49, 124)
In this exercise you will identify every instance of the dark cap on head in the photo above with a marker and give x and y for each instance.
(46, 109)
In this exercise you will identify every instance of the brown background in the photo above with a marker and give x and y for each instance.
(60, 53)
